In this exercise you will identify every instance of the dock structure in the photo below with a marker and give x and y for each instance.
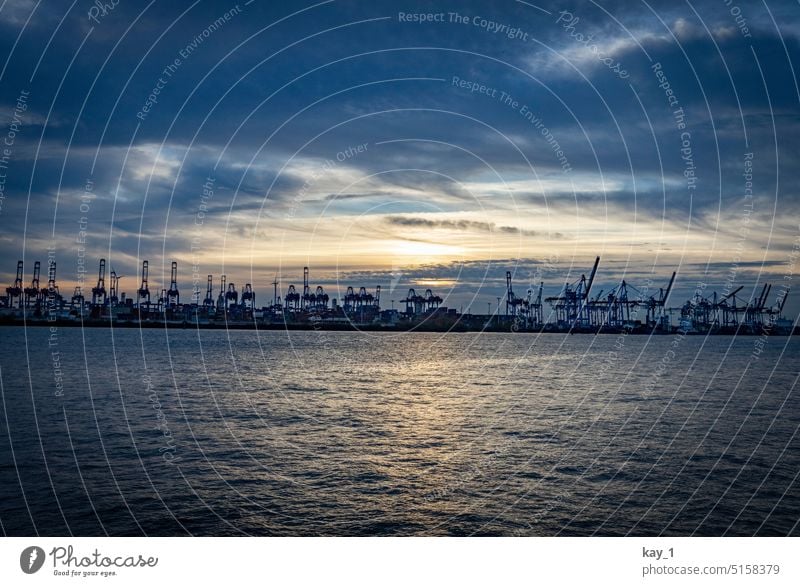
(624, 306)
(525, 312)
(731, 314)
(14, 292)
(579, 307)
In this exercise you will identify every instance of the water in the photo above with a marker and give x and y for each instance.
(319, 433)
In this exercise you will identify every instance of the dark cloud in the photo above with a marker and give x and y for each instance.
(465, 225)
(263, 101)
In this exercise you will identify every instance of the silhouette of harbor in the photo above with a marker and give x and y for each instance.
(579, 307)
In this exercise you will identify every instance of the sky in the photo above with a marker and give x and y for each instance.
(403, 144)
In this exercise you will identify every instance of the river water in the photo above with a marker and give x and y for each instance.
(180, 432)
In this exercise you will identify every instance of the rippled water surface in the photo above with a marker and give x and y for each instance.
(322, 433)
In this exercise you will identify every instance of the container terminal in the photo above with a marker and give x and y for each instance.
(579, 307)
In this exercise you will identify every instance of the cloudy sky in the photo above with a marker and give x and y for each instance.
(406, 144)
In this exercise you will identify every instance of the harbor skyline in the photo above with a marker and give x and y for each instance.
(620, 308)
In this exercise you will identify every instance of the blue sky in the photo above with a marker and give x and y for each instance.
(377, 149)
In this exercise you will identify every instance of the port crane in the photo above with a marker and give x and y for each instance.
(570, 304)
(173, 297)
(99, 291)
(15, 291)
(32, 292)
(143, 293)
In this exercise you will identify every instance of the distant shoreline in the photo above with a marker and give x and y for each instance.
(352, 327)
